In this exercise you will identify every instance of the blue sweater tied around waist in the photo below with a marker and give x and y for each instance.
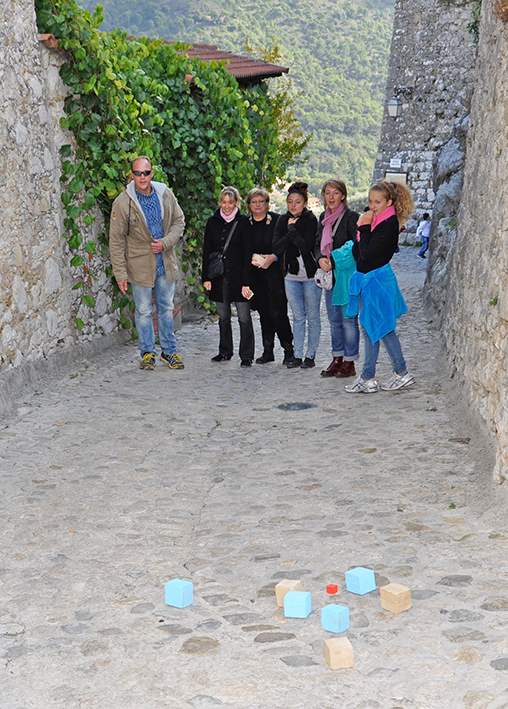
(382, 301)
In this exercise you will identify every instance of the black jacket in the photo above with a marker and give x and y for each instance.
(237, 260)
(346, 231)
(376, 248)
(295, 240)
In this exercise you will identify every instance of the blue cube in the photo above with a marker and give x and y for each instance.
(335, 618)
(360, 580)
(179, 593)
(297, 604)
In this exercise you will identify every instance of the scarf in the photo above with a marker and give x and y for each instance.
(231, 216)
(378, 218)
(328, 222)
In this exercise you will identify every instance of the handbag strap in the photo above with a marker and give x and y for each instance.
(231, 232)
(336, 225)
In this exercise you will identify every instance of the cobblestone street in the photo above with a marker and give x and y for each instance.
(116, 480)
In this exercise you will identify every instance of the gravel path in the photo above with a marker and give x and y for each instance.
(115, 481)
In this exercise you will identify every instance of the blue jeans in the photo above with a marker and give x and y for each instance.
(164, 293)
(425, 245)
(392, 345)
(304, 298)
(344, 331)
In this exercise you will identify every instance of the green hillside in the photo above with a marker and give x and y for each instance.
(337, 53)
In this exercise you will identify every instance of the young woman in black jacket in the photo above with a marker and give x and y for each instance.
(390, 204)
(233, 285)
(293, 243)
(337, 226)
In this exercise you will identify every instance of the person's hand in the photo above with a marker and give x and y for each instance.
(157, 246)
(123, 286)
(366, 218)
(325, 264)
(207, 285)
(269, 259)
(246, 292)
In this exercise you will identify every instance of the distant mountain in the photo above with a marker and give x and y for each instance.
(337, 53)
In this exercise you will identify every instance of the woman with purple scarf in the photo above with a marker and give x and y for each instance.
(337, 227)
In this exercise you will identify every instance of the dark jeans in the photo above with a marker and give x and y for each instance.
(246, 349)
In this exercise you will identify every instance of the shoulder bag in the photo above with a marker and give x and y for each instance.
(216, 258)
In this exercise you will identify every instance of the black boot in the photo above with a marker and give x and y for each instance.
(289, 353)
(268, 343)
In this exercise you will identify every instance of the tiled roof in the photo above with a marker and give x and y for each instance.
(242, 68)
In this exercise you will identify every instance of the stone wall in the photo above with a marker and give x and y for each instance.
(37, 304)
(433, 54)
(475, 309)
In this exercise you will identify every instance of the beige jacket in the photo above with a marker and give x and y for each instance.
(129, 243)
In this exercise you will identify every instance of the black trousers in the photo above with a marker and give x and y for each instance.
(246, 349)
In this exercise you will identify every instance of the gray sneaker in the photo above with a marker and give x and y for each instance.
(398, 381)
(360, 385)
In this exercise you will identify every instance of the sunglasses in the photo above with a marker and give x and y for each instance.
(138, 173)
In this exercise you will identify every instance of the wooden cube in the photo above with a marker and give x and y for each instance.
(339, 653)
(395, 597)
(283, 587)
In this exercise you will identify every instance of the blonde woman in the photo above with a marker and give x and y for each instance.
(227, 233)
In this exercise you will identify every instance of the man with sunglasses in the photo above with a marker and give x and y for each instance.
(146, 225)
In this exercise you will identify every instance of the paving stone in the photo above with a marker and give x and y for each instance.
(463, 616)
(456, 581)
(200, 646)
(174, 629)
(204, 701)
(495, 603)
(462, 635)
(242, 618)
(478, 700)
(273, 637)
(299, 661)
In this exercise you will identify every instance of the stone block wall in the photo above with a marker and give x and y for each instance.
(37, 304)
(433, 54)
(475, 314)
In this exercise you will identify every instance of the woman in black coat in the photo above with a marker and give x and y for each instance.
(267, 279)
(233, 285)
(293, 242)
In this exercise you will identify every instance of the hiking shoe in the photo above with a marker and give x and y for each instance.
(294, 363)
(347, 369)
(174, 361)
(221, 358)
(265, 357)
(332, 368)
(246, 363)
(367, 386)
(307, 363)
(147, 361)
(398, 381)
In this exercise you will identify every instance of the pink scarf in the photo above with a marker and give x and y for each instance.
(378, 218)
(328, 222)
(231, 216)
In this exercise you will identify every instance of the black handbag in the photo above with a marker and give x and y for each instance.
(216, 258)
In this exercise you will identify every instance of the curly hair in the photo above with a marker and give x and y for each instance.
(400, 196)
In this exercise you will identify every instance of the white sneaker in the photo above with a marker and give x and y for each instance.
(398, 381)
(368, 386)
